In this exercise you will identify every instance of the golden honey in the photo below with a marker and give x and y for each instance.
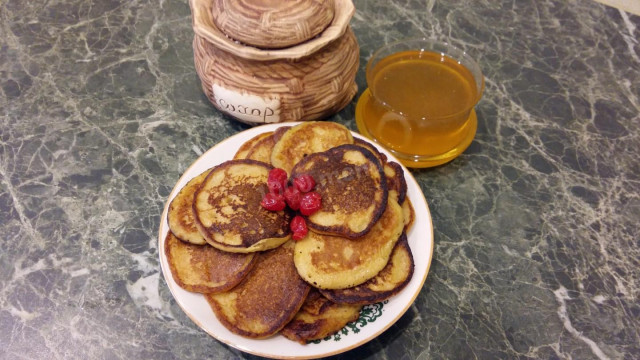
(419, 105)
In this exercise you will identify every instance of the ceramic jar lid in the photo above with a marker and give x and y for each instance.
(272, 24)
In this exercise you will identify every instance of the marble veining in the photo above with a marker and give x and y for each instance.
(536, 224)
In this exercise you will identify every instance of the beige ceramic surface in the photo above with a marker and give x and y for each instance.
(311, 88)
(272, 23)
(204, 26)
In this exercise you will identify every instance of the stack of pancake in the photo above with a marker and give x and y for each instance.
(257, 280)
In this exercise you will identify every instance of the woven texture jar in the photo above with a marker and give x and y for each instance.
(278, 78)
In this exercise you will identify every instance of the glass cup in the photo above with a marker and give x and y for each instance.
(420, 101)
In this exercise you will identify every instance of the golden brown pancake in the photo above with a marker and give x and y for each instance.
(318, 318)
(409, 214)
(180, 215)
(393, 171)
(332, 262)
(260, 146)
(308, 138)
(261, 150)
(353, 188)
(249, 144)
(395, 180)
(388, 282)
(277, 135)
(203, 268)
(266, 300)
(367, 145)
(228, 212)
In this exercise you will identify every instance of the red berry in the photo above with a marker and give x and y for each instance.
(273, 202)
(298, 227)
(304, 183)
(292, 196)
(277, 181)
(297, 236)
(310, 203)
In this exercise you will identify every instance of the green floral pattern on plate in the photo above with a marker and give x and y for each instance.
(368, 314)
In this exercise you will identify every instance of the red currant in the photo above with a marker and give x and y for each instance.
(273, 202)
(304, 183)
(310, 203)
(298, 227)
(277, 180)
(292, 196)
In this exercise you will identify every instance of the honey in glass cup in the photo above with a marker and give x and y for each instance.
(420, 101)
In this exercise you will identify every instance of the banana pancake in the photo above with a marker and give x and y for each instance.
(318, 318)
(180, 215)
(333, 262)
(203, 268)
(305, 139)
(228, 212)
(388, 282)
(244, 149)
(266, 300)
(353, 187)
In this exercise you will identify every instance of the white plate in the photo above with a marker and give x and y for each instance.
(374, 320)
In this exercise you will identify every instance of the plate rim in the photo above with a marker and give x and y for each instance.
(163, 230)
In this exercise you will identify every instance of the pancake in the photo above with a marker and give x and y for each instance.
(244, 149)
(203, 268)
(353, 188)
(266, 300)
(332, 262)
(409, 214)
(318, 318)
(393, 171)
(261, 150)
(180, 215)
(388, 282)
(308, 138)
(367, 145)
(277, 135)
(395, 180)
(228, 212)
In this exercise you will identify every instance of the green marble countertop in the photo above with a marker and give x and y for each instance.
(537, 247)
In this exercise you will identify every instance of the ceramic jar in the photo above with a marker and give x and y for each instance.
(269, 61)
